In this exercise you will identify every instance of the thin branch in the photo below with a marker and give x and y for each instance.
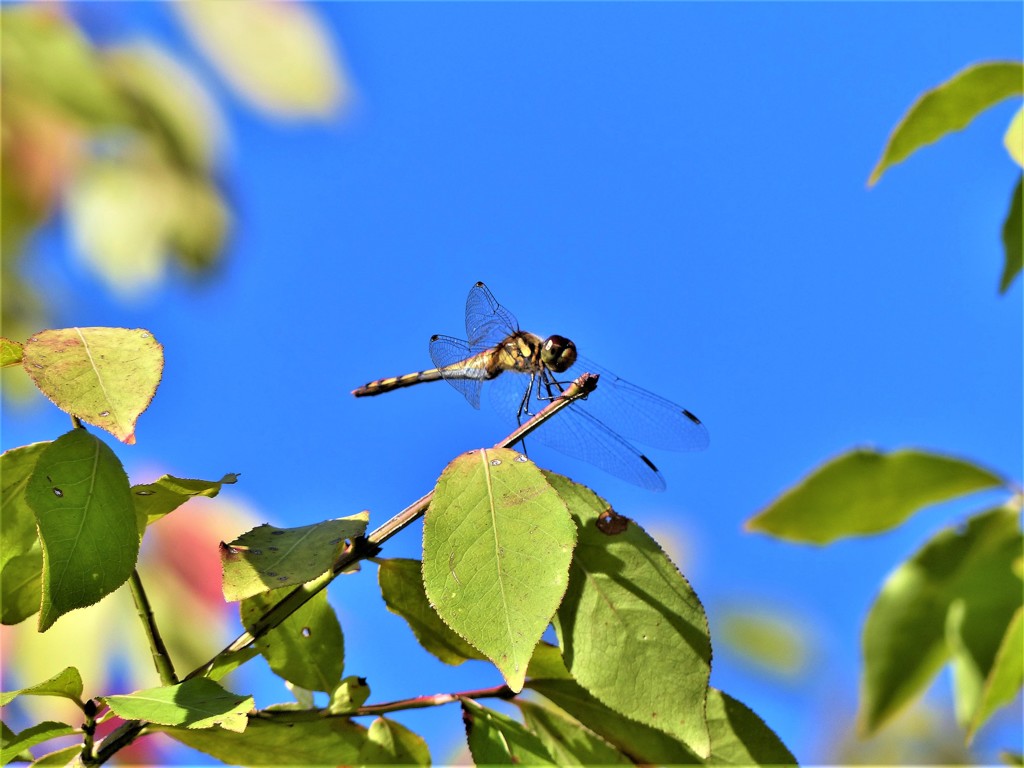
(435, 700)
(161, 658)
(361, 549)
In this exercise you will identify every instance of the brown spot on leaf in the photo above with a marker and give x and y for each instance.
(611, 523)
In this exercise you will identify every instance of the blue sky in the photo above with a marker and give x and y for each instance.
(678, 187)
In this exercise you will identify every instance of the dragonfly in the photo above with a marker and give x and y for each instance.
(524, 372)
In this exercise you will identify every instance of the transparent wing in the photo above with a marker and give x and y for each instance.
(573, 431)
(459, 365)
(487, 322)
(637, 414)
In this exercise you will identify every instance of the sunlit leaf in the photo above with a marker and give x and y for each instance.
(740, 737)
(58, 758)
(566, 740)
(497, 542)
(266, 557)
(349, 696)
(1005, 677)
(161, 497)
(497, 739)
(83, 506)
(10, 352)
(631, 629)
(905, 634)
(288, 739)
(195, 703)
(31, 736)
(950, 107)
(67, 684)
(1013, 238)
(1013, 139)
(401, 585)
(104, 376)
(307, 648)
(21, 556)
(391, 743)
(867, 491)
(227, 664)
(276, 55)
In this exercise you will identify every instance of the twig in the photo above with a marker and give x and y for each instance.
(161, 658)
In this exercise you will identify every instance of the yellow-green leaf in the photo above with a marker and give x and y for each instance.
(497, 739)
(1013, 238)
(1006, 675)
(391, 743)
(10, 352)
(157, 499)
(21, 555)
(195, 703)
(104, 376)
(950, 107)
(67, 684)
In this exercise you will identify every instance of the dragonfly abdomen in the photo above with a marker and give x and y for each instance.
(396, 382)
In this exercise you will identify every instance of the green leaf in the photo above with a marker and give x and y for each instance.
(867, 491)
(1013, 239)
(950, 107)
(307, 648)
(349, 696)
(287, 739)
(275, 56)
(771, 641)
(1013, 139)
(227, 664)
(21, 555)
(631, 629)
(740, 737)
(391, 743)
(640, 742)
(155, 500)
(497, 542)
(401, 585)
(10, 352)
(496, 739)
(67, 684)
(267, 558)
(905, 634)
(195, 703)
(104, 376)
(83, 506)
(567, 741)
(36, 734)
(58, 758)
(1005, 677)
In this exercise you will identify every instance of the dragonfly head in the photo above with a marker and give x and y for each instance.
(558, 353)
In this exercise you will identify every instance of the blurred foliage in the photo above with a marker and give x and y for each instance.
(124, 140)
(774, 642)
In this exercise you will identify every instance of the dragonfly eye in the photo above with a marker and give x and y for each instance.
(558, 353)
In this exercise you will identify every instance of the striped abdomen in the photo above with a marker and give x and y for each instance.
(396, 382)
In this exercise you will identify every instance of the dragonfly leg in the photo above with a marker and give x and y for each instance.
(524, 404)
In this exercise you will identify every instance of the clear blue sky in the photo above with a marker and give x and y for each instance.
(681, 189)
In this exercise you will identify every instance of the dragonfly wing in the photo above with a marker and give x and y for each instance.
(459, 365)
(637, 414)
(575, 433)
(487, 322)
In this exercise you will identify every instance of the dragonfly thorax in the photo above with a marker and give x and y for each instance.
(558, 353)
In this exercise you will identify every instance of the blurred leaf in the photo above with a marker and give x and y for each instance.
(631, 629)
(867, 491)
(284, 740)
(391, 743)
(640, 742)
(1011, 758)
(21, 556)
(275, 55)
(401, 585)
(45, 56)
(768, 640)
(950, 107)
(307, 648)
(1005, 677)
(497, 542)
(566, 740)
(155, 500)
(195, 703)
(266, 557)
(104, 376)
(1013, 140)
(496, 739)
(83, 506)
(1013, 239)
(58, 758)
(10, 352)
(905, 640)
(66, 684)
(29, 737)
(740, 737)
(200, 225)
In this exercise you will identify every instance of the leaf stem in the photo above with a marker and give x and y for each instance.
(161, 658)
(360, 549)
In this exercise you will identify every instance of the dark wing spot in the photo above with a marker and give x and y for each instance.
(690, 416)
